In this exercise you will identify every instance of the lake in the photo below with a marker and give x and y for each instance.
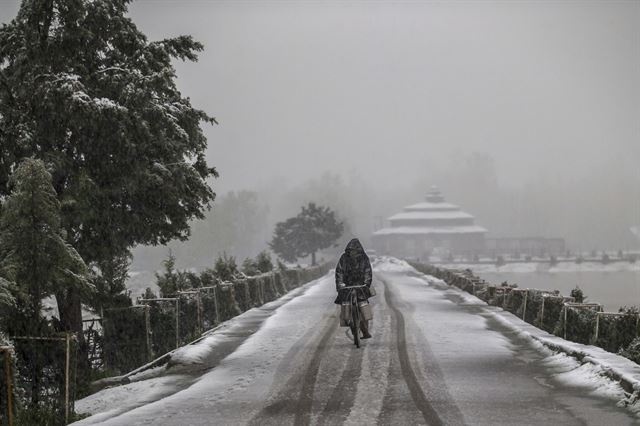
(612, 287)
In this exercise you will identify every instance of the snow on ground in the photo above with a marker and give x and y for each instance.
(568, 370)
(458, 340)
(112, 401)
(390, 264)
(523, 267)
(594, 372)
(195, 354)
(244, 375)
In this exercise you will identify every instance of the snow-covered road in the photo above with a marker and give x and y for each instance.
(434, 359)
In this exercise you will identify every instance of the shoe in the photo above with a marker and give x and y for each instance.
(366, 336)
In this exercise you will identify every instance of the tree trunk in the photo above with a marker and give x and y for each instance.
(313, 259)
(70, 311)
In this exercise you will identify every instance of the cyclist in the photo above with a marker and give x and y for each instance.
(354, 268)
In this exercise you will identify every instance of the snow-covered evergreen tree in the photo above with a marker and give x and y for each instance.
(34, 256)
(84, 90)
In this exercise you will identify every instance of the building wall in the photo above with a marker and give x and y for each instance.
(423, 246)
(431, 222)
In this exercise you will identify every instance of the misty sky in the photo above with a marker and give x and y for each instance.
(389, 89)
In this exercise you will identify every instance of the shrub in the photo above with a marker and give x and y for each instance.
(617, 332)
(632, 351)
(578, 295)
(580, 325)
(171, 281)
(250, 267)
(225, 268)
(548, 319)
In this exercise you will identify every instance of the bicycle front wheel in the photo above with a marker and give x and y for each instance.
(355, 317)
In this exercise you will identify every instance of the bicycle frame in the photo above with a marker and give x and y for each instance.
(355, 311)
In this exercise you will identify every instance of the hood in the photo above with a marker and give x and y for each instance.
(354, 247)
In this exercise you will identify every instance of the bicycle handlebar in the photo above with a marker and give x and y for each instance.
(352, 286)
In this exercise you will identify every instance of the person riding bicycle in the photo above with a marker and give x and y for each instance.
(354, 268)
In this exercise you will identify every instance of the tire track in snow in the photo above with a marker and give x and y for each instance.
(374, 372)
(344, 394)
(417, 395)
(305, 401)
(296, 395)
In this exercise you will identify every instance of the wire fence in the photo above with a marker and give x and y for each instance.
(38, 374)
(38, 380)
(584, 323)
(126, 338)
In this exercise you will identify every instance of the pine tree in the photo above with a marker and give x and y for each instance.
(171, 281)
(314, 228)
(226, 268)
(263, 262)
(250, 267)
(84, 90)
(34, 256)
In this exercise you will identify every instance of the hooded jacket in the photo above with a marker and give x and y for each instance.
(354, 268)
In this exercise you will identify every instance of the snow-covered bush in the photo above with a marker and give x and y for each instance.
(578, 295)
(617, 332)
(226, 268)
(580, 324)
(171, 281)
(632, 351)
(514, 302)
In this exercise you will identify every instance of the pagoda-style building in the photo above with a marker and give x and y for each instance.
(431, 227)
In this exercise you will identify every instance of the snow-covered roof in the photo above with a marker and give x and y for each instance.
(422, 230)
(427, 206)
(417, 215)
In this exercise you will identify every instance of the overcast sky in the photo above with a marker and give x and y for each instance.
(387, 89)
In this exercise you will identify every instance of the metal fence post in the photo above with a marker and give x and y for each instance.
(542, 312)
(524, 307)
(7, 378)
(177, 322)
(565, 322)
(66, 377)
(147, 331)
(215, 304)
(199, 313)
(595, 335)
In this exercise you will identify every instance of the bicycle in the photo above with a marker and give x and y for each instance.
(355, 310)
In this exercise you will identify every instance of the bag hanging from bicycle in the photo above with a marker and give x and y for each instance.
(365, 310)
(345, 314)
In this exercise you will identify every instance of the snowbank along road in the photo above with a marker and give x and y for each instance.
(435, 359)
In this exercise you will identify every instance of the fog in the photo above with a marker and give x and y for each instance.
(527, 114)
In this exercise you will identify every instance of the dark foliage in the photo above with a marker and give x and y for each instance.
(35, 259)
(314, 228)
(125, 339)
(82, 89)
(171, 281)
(226, 268)
(578, 295)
